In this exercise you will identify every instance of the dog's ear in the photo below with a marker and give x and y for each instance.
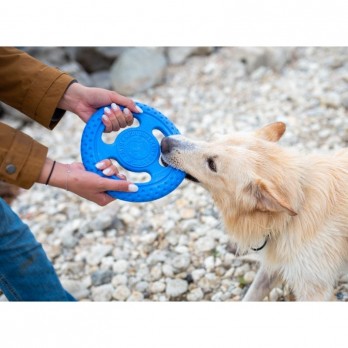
(272, 132)
(269, 198)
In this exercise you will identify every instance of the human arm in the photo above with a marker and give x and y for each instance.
(23, 160)
(74, 177)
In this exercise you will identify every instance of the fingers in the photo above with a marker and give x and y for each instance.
(109, 169)
(127, 102)
(114, 119)
(119, 185)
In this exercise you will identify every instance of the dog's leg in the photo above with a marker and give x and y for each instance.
(261, 286)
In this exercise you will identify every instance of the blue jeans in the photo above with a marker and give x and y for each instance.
(26, 274)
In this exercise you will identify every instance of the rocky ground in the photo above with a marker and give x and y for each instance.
(175, 248)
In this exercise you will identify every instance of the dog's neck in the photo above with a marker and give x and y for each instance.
(251, 228)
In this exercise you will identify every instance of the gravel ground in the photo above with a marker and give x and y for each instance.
(175, 248)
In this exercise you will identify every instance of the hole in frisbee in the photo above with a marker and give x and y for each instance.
(159, 136)
(136, 177)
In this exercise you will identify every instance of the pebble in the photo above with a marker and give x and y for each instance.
(249, 277)
(121, 293)
(157, 287)
(181, 262)
(76, 288)
(101, 277)
(135, 296)
(205, 244)
(120, 266)
(195, 295)
(119, 279)
(176, 287)
(97, 252)
(197, 274)
(275, 294)
(102, 293)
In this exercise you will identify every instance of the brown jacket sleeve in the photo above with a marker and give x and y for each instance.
(34, 89)
(21, 157)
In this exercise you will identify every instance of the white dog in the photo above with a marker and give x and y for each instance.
(292, 208)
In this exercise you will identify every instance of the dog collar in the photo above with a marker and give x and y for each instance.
(262, 246)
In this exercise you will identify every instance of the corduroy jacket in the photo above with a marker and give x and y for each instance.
(35, 89)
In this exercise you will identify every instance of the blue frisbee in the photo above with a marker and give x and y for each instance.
(135, 149)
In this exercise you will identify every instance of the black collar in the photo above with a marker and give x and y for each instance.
(262, 246)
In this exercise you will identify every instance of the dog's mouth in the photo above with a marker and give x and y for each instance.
(188, 176)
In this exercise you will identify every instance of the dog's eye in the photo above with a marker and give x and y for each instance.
(211, 164)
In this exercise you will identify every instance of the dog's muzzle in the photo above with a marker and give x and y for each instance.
(168, 144)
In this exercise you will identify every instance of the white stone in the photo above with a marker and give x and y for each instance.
(121, 293)
(195, 295)
(97, 252)
(120, 266)
(205, 244)
(249, 277)
(102, 293)
(176, 287)
(181, 262)
(157, 287)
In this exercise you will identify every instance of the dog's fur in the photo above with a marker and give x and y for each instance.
(296, 203)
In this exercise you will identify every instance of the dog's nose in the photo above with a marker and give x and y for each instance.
(166, 144)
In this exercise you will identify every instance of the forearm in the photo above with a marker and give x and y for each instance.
(54, 174)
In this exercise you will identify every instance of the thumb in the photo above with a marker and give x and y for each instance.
(119, 185)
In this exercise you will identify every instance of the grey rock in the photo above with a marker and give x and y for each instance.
(195, 295)
(101, 222)
(53, 56)
(76, 70)
(156, 272)
(111, 52)
(178, 55)
(142, 286)
(176, 287)
(157, 287)
(76, 288)
(197, 274)
(97, 252)
(121, 293)
(181, 262)
(138, 69)
(255, 57)
(102, 293)
(157, 256)
(135, 296)
(120, 266)
(205, 244)
(251, 57)
(167, 270)
(92, 59)
(119, 279)
(101, 79)
(101, 277)
(277, 57)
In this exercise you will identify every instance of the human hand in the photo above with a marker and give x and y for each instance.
(75, 178)
(84, 101)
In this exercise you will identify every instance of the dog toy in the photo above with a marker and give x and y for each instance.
(135, 149)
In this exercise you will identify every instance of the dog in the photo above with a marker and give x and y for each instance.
(291, 208)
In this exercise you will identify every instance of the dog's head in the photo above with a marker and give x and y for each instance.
(246, 171)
